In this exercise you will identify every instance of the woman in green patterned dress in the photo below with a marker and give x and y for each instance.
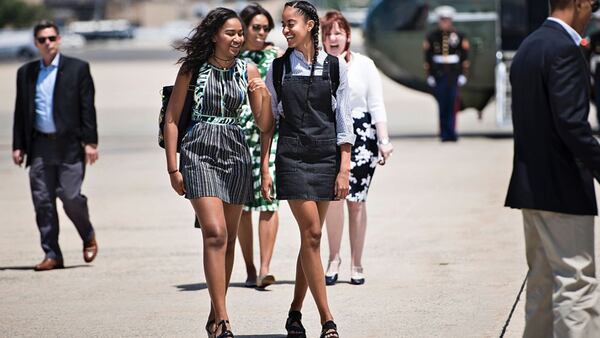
(258, 23)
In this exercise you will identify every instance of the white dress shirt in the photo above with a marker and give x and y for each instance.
(573, 33)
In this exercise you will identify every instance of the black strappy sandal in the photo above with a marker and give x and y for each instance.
(225, 332)
(329, 330)
(293, 325)
(208, 327)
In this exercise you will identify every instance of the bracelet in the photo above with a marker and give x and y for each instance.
(383, 142)
(171, 172)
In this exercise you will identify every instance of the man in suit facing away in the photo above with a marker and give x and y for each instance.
(54, 132)
(555, 161)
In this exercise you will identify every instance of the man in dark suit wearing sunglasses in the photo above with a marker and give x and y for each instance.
(556, 159)
(55, 134)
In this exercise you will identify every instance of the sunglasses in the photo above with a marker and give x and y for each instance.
(256, 28)
(42, 39)
(595, 5)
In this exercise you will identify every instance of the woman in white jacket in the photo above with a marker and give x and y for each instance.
(372, 146)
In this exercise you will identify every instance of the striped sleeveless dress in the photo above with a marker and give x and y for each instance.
(215, 159)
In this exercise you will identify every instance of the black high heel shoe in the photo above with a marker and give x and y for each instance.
(329, 330)
(209, 330)
(293, 325)
(225, 332)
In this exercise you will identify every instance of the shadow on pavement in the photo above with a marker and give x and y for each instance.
(260, 336)
(491, 135)
(30, 267)
(203, 286)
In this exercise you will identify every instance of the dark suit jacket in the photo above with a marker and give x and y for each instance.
(555, 155)
(74, 111)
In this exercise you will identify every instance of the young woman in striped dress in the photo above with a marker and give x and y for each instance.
(214, 171)
(313, 151)
(257, 51)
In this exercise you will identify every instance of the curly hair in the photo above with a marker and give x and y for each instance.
(200, 46)
(310, 13)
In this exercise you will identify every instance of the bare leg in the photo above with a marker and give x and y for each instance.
(357, 217)
(232, 219)
(335, 229)
(268, 225)
(247, 246)
(217, 220)
(310, 216)
(300, 287)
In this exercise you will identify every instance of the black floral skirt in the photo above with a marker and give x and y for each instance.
(365, 154)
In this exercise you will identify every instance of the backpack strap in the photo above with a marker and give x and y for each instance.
(278, 65)
(334, 73)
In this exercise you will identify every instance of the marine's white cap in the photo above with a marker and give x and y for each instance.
(445, 12)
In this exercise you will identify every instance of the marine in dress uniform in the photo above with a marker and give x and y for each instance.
(446, 65)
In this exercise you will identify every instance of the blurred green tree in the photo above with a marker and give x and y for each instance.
(17, 14)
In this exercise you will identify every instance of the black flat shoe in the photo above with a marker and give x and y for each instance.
(329, 330)
(293, 325)
(331, 280)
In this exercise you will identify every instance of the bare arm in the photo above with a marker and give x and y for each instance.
(342, 182)
(172, 115)
(260, 99)
(266, 181)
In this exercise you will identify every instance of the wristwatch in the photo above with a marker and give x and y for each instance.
(383, 141)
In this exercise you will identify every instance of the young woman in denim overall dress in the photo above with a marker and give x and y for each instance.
(313, 152)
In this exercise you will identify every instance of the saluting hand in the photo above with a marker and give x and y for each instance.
(266, 186)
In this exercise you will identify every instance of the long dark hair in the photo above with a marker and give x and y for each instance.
(252, 10)
(200, 46)
(310, 13)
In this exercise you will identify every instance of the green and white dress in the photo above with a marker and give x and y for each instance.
(215, 161)
(262, 59)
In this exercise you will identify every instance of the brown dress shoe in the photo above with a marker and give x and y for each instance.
(49, 264)
(90, 249)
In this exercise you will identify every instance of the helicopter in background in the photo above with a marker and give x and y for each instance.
(394, 33)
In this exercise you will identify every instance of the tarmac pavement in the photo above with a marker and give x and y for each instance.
(443, 257)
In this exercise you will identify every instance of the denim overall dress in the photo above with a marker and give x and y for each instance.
(308, 158)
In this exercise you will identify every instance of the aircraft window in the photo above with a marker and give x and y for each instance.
(518, 18)
(409, 15)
